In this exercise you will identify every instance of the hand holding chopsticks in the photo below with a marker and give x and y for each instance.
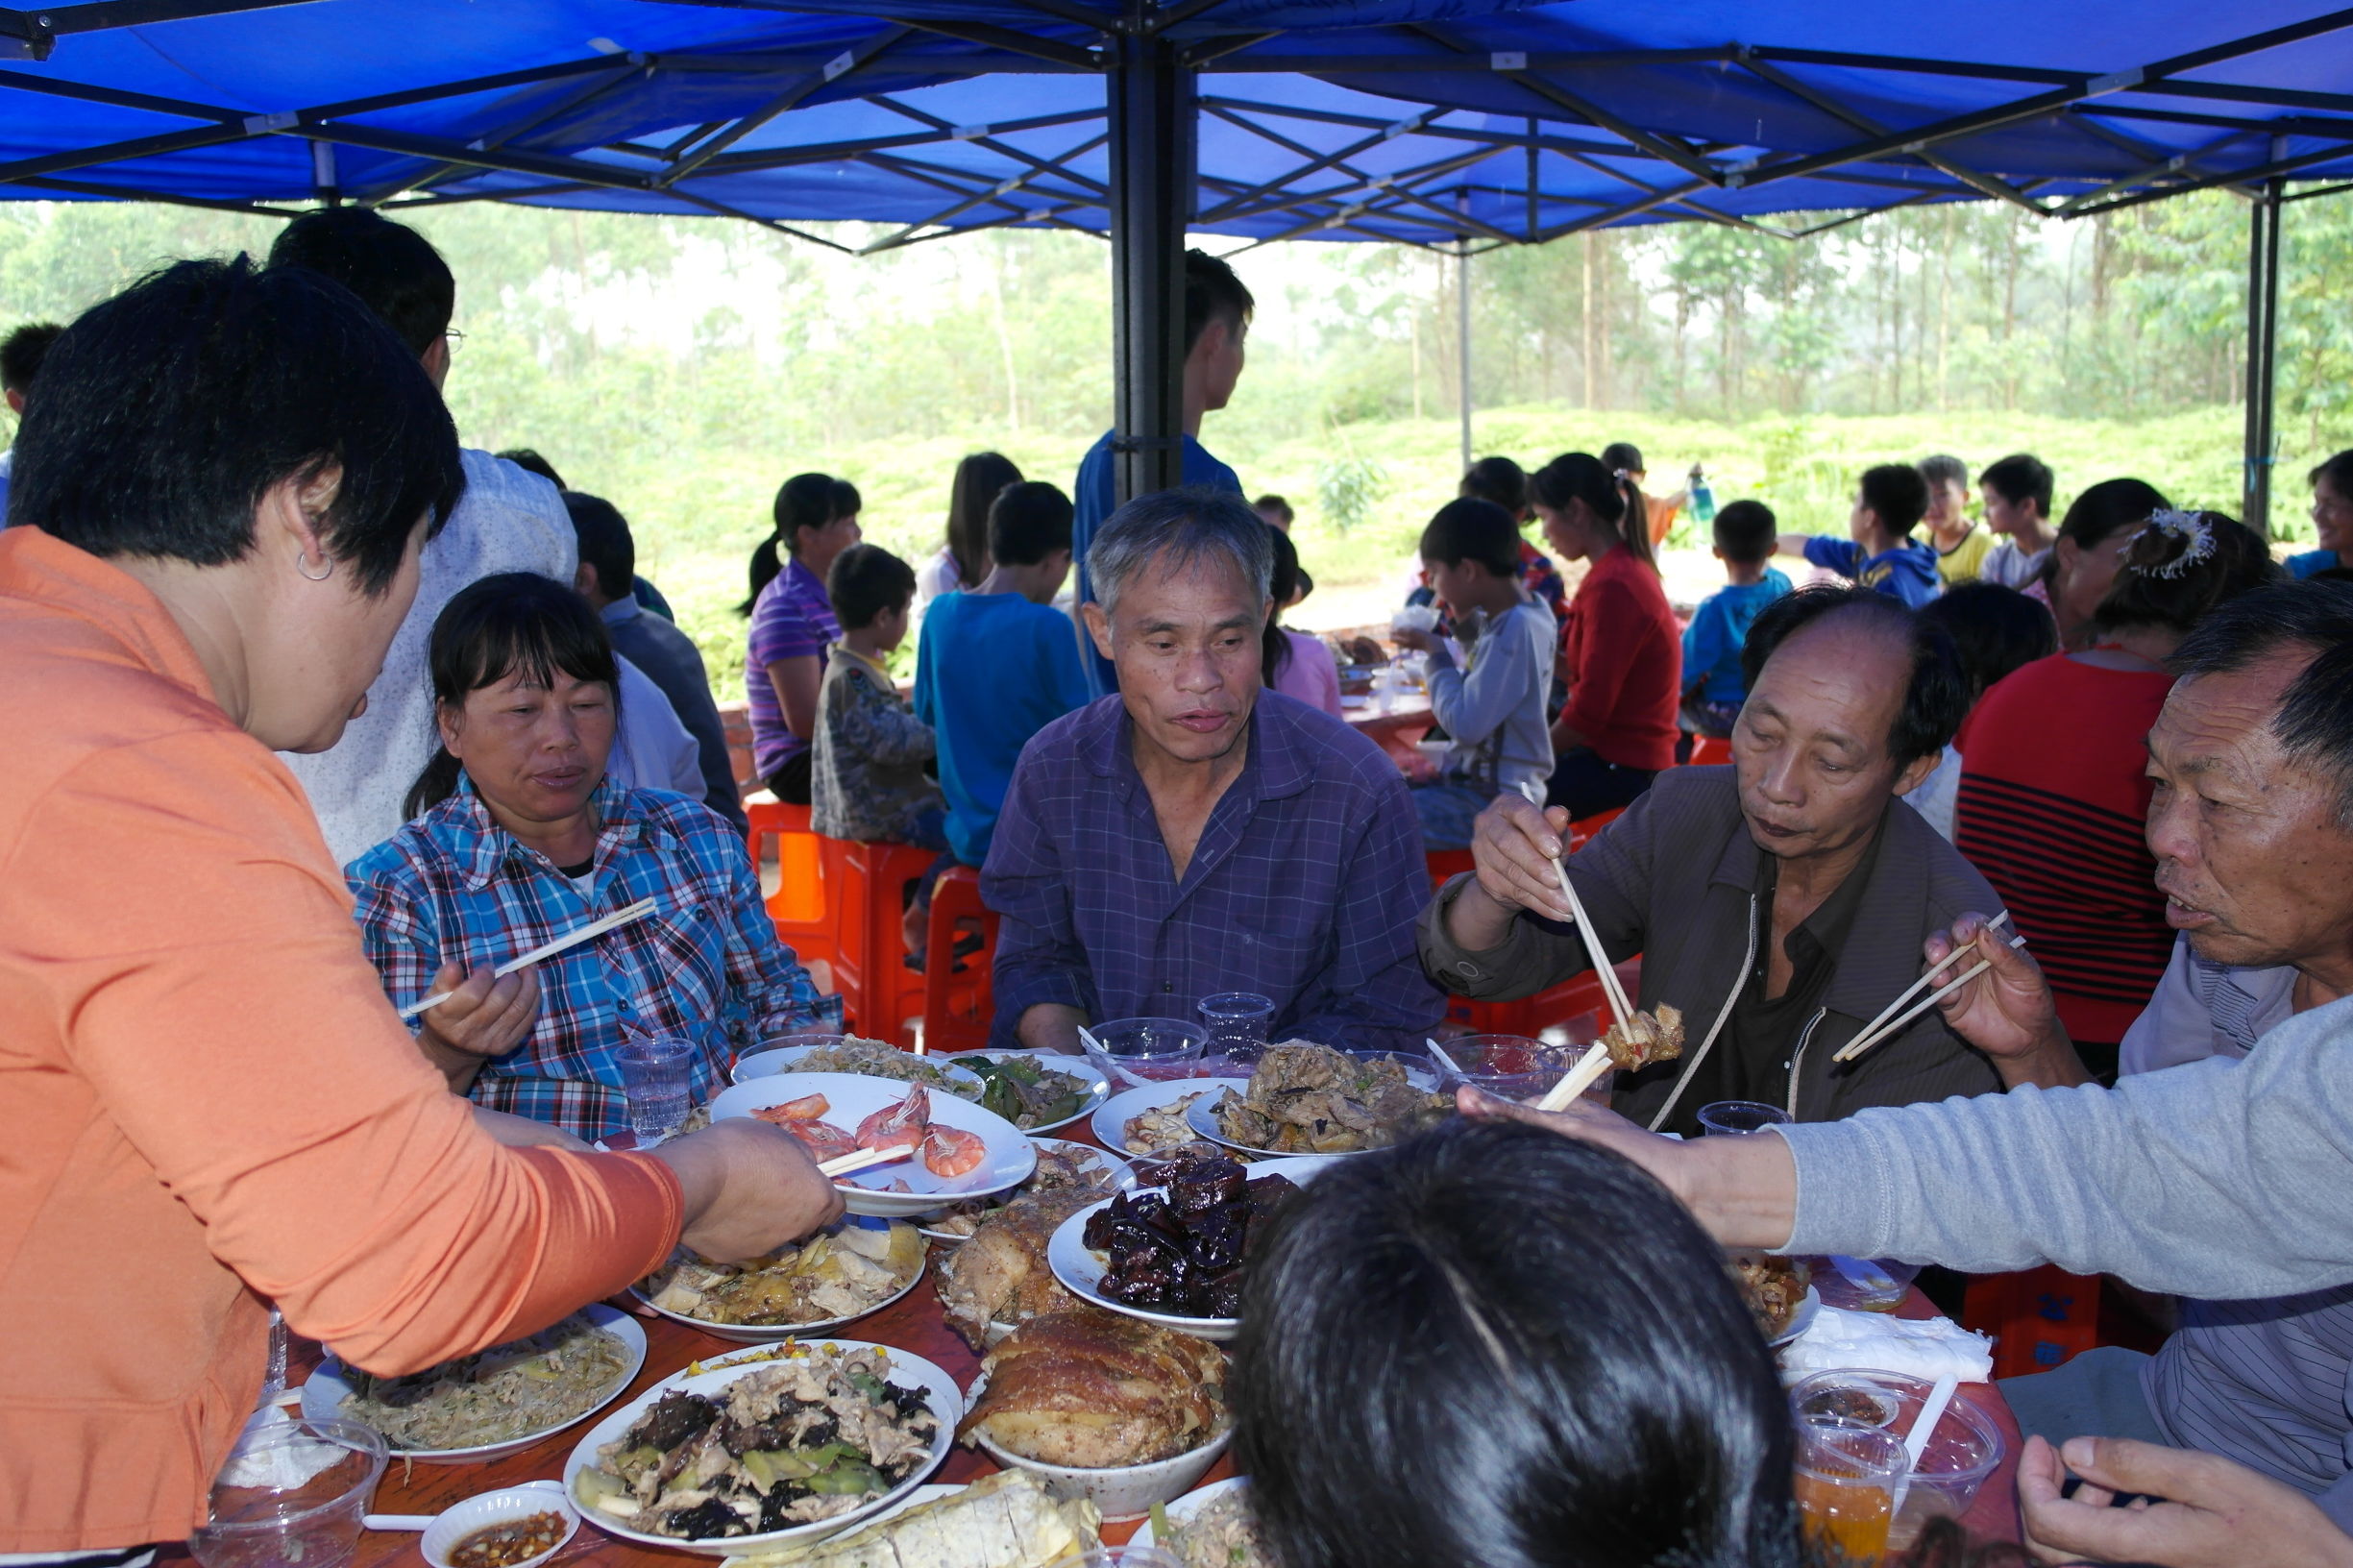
(571, 939)
(1893, 1021)
(843, 1165)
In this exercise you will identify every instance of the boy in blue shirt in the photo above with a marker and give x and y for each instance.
(1880, 551)
(1745, 537)
(998, 663)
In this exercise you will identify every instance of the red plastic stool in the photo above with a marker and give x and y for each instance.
(879, 992)
(2039, 1318)
(803, 922)
(1445, 864)
(958, 1008)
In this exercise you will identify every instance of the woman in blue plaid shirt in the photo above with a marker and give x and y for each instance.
(518, 837)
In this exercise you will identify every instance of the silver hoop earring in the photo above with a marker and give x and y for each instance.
(302, 564)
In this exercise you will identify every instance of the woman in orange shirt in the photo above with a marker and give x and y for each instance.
(220, 491)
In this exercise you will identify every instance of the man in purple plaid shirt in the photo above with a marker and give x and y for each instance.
(1196, 833)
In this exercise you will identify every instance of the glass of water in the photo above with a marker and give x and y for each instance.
(654, 1074)
(1237, 1022)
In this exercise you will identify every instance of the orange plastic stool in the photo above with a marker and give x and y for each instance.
(1710, 750)
(958, 1008)
(798, 907)
(879, 992)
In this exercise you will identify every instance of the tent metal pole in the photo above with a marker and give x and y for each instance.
(2262, 354)
(1152, 143)
(1463, 323)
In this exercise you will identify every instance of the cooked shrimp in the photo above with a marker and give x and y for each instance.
(808, 1108)
(897, 1126)
(951, 1151)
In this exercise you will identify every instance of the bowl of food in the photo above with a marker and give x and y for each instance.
(888, 1417)
(515, 1526)
(1506, 1066)
(1132, 1051)
(859, 1266)
(865, 1058)
(1151, 1118)
(956, 1150)
(1211, 1528)
(1965, 1448)
(1307, 1099)
(494, 1402)
(1038, 1092)
(1153, 1423)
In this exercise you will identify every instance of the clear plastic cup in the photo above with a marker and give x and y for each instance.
(292, 1495)
(1964, 1450)
(1740, 1116)
(654, 1074)
(1134, 1051)
(1846, 1476)
(1507, 1066)
(1237, 1022)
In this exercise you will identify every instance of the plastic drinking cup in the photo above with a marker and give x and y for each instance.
(1237, 1022)
(1740, 1116)
(1960, 1453)
(654, 1075)
(1846, 1476)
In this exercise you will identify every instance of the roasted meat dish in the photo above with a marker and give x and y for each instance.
(1774, 1287)
(1093, 1389)
(1644, 1039)
(1001, 1275)
(1312, 1099)
(1180, 1250)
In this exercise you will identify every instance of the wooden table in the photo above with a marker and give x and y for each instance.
(1394, 731)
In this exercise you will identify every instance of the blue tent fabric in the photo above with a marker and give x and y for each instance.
(1415, 121)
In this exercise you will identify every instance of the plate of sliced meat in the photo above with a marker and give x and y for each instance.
(955, 1150)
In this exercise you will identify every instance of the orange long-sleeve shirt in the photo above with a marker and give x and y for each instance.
(206, 1091)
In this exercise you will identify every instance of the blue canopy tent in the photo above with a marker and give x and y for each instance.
(1458, 124)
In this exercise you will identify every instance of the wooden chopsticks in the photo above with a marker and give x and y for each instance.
(571, 939)
(842, 1164)
(1884, 1025)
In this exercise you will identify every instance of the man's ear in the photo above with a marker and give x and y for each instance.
(1212, 339)
(1916, 773)
(585, 580)
(1098, 627)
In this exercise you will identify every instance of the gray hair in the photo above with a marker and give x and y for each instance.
(2314, 722)
(1180, 527)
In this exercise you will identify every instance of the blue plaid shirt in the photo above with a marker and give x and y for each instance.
(705, 965)
(1304, 887)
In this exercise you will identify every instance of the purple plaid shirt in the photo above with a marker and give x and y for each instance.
(1303, 887)
(705, 965)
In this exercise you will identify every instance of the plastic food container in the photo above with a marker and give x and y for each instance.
(1964, 1450)
(291, 1492)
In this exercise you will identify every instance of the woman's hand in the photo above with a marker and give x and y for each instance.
(2214, 1513)
(2007, 1012)
(486, 1016)
(749, 1188)
(1412, 639)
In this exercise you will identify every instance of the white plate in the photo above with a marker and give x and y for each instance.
(1122, 1174)
(1182, 1511)
(1007, 1164)
(786, 1059)
(1110, 1121)
(907, 1370)
(1081, 1271)
(757, 1334)
(1069, 1066)
(1202, 1117)
(1801, 1319)
(324, 1394)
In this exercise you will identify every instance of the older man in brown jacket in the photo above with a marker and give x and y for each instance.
(1781, 903)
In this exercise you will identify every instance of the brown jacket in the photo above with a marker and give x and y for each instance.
(1678, 880)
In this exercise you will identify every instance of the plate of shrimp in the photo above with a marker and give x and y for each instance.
(956, 1150)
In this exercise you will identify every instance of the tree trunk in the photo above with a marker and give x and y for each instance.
(1585, 248)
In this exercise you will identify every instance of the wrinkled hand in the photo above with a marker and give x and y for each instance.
(2007, 1012)
(2218, 1513)
(486, 1016)
(749, 1188)
(1513, 846)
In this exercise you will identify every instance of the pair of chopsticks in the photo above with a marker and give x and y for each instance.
(573, 939)
(1595, 1062)
(842, 1164)
(1890, 1022)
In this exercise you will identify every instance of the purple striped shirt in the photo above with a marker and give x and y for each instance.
(792, 619)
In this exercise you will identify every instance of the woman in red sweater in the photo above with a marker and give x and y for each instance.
(2054, 790)
(1621, 653)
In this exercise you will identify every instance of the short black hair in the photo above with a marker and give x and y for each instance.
(2108, 508)
(1995, 630)
(1935, 697)
(1622, 456)
(529, 459)
(395, 271)
(2338, 469)
(847, 502)
(866, 583)
(1212, 293)
(1272, 502)
(1897, 495)
(1441, 1362)
(1943, 469)
(2020, 477)
(1027, 523)
(607, 546)
(22, 352)
(1746, 531)
(2163, 580)
(2314, 722)
(167, 412)
(1498, 480)
(1469, 528)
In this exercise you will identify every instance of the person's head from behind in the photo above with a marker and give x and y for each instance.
(1282, 587)
(1947, 480)
(529, 459)
(1498, 480)
(259, 449)
(1275, 511)
(1889, 503)
(527, 699)
(1744, 534)
(1184, 581)
(21, 353)
(2332, 497)
(1471, 553)
(1030, 530)
(1995, 630)
(1589, 508)
(2251, 821)
(979, 477)
(1446, 1364)
(2016, 492)
(1852, 700)
(2091, 546)
(872, 591)
(608, 552)
(1217, 311)
(806, 526)
(395, 271)
(1625, 457)
(2176, 568)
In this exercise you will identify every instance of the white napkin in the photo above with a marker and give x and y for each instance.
(1414, 618)
(1929, 1348)
(280, 1465)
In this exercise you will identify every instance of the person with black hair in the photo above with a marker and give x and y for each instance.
(530, 461)
(2055, 784)
(224, 483)
(1621, 651)
(1447, 1361)
(520, 834)
(1659, 512)
(2017, 492)
(1713, 686)
(871, 780)
(1997, 631)
(2332, 516)
(1505, 483)
(792, 626)
(998, 663)
(21, 353)
(1276, 513)
(963, 562)
(1298, 664)
(1218, 312)
(1961, 545)
(2087, 550)
(1879, 551)
(667, 655)
(1494, 710)
(1781, 903)
(510, 521)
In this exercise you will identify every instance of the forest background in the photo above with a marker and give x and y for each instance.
(684, 368)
